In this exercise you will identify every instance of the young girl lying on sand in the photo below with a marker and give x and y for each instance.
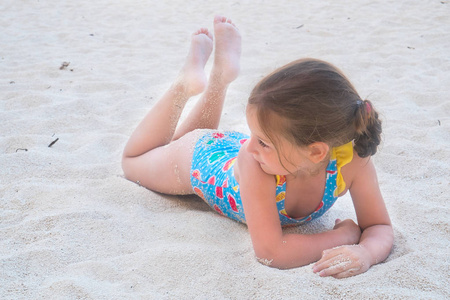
(311, 141)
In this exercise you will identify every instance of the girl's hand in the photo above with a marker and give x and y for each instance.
(343, 261)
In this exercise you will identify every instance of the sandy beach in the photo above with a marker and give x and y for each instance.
(80, 75)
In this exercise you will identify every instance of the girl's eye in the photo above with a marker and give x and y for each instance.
(262, 144)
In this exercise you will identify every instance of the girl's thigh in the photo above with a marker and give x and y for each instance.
(165, 169)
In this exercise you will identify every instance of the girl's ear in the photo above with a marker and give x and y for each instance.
(318, 151)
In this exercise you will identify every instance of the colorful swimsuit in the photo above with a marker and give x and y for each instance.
(212, 177)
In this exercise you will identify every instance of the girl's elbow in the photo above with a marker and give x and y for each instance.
(271, 256)
(265, 254)
(274, 262)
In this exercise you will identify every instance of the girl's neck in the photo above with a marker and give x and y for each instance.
(310, 172)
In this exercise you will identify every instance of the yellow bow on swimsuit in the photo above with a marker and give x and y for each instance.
(343, 155)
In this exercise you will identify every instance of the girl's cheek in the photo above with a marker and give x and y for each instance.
(252, 146)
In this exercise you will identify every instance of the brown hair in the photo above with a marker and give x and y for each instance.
(310, 101)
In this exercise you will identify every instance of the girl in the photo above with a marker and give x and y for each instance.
(311, 141)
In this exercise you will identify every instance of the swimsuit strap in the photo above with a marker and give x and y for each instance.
(335, 184)
(343, 155)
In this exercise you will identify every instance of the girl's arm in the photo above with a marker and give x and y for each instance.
(271, 246)
(377, 237)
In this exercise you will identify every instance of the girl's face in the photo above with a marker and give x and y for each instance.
(293, 158)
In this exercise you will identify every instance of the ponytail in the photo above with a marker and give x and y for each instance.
(367, 129)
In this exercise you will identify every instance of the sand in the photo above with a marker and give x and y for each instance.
(71, 226)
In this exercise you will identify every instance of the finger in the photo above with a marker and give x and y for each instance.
(335, 266)
(329, 252)
(337, 221)
(348, 273)
(325, 257)
(334, 270)
(327, 262)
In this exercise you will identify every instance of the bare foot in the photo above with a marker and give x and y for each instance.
(192, 76)
(227, 53)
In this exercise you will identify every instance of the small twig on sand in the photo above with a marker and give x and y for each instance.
(52, 143)
(64, 65)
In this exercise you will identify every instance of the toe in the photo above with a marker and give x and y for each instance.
(220, 19)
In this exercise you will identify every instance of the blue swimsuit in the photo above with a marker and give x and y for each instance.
(212, 177)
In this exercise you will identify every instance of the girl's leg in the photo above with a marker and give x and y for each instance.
(158, 126)
(148, 157)
(208, 110)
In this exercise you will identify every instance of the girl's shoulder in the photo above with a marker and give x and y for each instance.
(247, 166)
(355, 167)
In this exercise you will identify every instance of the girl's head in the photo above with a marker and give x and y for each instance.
(310, 101)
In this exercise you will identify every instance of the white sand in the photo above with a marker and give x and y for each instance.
(71, 227)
